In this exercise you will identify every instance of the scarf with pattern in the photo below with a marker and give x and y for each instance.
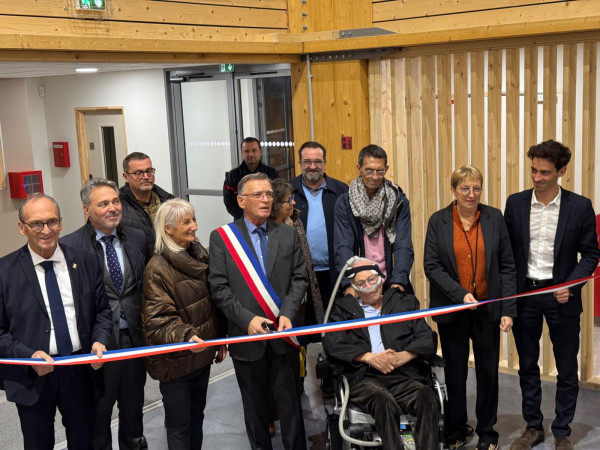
(375, 212)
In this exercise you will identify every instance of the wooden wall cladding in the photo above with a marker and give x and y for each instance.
(198, 26)
(486, 108)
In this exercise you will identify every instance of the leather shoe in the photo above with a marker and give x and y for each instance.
(563, 443)
(143, 442)
(528, 439)
(486, 446)
(271, 428)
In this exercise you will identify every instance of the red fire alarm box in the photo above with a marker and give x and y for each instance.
(61, 154)
(23, 184)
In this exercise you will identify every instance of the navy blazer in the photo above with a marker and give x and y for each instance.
(442, 272)
(24, 319)
(575, 235)
(334, 189)
(133, 243)
(286, 272)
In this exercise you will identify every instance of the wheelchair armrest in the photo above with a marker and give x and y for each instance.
(436, 361)
(326, 369)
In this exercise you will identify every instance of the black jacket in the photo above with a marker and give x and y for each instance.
(334, 189)
(575, 236)
(233, 177)
(134, 215)
(134, 245)
(410, 335)
(441, 270)
(349, 241)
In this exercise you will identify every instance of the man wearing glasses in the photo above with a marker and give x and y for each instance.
(52, 303)
(373, 220)
(315, 195)
(251, 154)
(140, 197)
(256, 297)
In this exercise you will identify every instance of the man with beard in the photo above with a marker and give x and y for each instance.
(122, 254)
(315, 194)
(373, 220)
(140, 197)
(251, 153)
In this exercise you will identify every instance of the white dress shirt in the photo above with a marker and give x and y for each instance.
(66, 293)
(542, 232)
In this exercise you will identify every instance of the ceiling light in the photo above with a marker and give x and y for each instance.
(86, 70)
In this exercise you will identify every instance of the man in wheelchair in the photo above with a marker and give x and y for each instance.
(385, 365)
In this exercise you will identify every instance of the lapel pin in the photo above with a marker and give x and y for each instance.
(74, 266)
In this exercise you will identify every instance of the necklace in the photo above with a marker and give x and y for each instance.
(473, 259)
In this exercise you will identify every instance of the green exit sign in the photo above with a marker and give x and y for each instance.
(93, 5)
(226, 67)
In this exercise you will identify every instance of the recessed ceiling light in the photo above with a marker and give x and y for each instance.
(86, 70)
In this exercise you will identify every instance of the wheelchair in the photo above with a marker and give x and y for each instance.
(349, 427)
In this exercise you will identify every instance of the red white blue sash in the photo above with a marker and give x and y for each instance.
(253, 273)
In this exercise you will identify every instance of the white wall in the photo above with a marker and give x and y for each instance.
(142, 96)
(17, 145)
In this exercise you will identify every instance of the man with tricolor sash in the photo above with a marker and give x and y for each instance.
(258, 280)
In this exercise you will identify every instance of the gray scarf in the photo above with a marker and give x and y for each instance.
(375, 212)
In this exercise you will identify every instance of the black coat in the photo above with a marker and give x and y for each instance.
(575, 235)
(334, 189)
(411, 335)
(133, 243)
(25, 321)
(441, 270)
(134, 215)
(233, 177)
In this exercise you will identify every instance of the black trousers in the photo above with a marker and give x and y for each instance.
(564, 334)
(124, 383)
(252, 378)
(324, 282)
(184, 400)
(386, 396)
(476, 326)
(70, 390)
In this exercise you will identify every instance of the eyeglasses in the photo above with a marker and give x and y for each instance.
(464, 190)
(38, 226)
(259, 195)
(140, 173)
(308, 162)
(289, 200)
(371, 281)
(370, 172)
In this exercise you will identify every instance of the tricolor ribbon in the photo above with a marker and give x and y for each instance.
(118, 355)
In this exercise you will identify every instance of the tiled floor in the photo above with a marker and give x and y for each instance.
(224, 427)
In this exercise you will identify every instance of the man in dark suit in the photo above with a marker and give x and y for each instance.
(52, 303)
(315, 194)
(122, 253)
(280, 260)
(549, 228)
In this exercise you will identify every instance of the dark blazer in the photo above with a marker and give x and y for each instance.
(349, 241)
(25, 323)
(134, 215)
(575, 234)
(441, 270)
(286, 272)
(410, 335)
(133, 243)
(334, 189)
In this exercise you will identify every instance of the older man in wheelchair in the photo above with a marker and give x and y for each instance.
(385, 366)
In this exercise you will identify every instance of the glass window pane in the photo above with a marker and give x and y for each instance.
(210, 214)
(206, 129)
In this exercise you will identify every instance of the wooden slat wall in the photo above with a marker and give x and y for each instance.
(431, 82)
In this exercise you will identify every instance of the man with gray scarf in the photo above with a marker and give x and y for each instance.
(373, 220)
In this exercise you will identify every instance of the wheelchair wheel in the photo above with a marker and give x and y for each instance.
(334, 439)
